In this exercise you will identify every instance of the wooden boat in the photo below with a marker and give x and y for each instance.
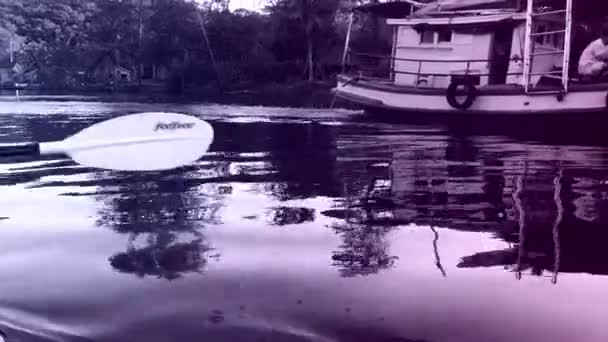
(482, 57)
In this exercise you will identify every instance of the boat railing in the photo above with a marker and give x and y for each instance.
(420, 73)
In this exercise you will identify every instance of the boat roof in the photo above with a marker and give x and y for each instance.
(392, 9)
(583, 9)
(471, 21)
(407, 8)
(451, 7)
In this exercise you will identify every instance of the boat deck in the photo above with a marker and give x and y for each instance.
(498, 89)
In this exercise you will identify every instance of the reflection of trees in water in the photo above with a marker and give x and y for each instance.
(365, 248)
(301, 157)
(168, 261)
(282, 216)
(162, 213)
(304, 156)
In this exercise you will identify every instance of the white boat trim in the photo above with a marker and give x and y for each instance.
(492, 100)
(457, 20)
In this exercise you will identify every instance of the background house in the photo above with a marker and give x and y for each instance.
(107, 69)
(6, 71)
(10, 72)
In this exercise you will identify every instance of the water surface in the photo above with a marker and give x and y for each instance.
(303, 225)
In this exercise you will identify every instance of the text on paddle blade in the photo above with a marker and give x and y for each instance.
(173, 126)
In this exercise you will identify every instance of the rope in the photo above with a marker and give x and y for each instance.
(353, 80)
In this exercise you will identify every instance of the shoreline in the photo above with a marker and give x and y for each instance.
(301, 94)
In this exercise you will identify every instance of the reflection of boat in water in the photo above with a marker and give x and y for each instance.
(568, 245)
(545, 202)
(521, 257)
(509, 58)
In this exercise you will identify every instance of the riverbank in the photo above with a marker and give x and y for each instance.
(300, 94)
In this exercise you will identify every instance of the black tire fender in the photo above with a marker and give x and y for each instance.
(470, 91)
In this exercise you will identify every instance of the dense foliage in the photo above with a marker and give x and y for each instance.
(197, 42)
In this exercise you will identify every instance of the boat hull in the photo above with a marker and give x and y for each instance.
(490, 101)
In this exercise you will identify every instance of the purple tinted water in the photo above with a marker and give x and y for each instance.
(303, 225)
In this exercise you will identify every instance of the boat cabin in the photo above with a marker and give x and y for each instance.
(434, 42)
(490, 49)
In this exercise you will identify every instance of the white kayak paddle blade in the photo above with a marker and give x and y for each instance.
(138, 142)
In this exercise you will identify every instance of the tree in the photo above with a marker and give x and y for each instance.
(54, 33)
(174, 32)
(114, 30)
(314, 18)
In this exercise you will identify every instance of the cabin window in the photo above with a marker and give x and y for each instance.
(444, 37)
(427, 37)
(436, 37)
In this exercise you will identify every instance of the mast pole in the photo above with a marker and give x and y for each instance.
(567, 46)
(347, 40)
(528, 45)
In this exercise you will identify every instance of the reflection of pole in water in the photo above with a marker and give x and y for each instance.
(521, 214)
(436, 250)
(558, 219)
(557, 186)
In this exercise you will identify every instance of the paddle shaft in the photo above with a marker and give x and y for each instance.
(60, 147)
(32, 149)
(20, 150)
